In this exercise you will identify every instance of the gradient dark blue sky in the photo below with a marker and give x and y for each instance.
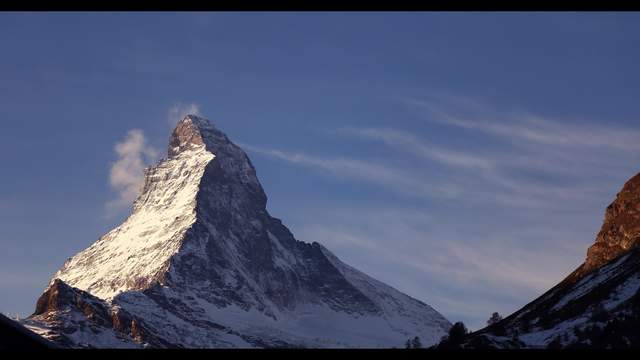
(464, 158)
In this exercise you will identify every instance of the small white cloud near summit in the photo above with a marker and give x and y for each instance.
(179, 110)
(126, 175)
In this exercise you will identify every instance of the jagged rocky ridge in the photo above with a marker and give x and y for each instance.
(597, 305)
(201, 263)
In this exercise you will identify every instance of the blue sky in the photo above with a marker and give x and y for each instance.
(464, 158)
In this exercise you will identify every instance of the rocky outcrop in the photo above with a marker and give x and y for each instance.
(185, 136)
(70, 317)
(619, 232)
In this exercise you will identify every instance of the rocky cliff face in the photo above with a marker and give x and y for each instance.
(74, 318)
(201, 263)
(620, 230)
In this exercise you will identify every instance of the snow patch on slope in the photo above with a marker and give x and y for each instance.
(589, 282)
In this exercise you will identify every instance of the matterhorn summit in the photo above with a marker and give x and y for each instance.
(201, 263)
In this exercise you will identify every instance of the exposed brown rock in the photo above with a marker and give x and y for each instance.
(184, 136)
(58, 294)
(60, 297)
(121, 321)
(620, 231)
(136, 331)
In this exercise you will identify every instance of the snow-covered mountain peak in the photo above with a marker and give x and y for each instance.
(201, 263)
(233, 163)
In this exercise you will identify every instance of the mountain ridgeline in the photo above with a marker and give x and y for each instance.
(597, 305)
(201, 263)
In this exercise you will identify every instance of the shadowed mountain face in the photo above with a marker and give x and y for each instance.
(597, 305)
(201, 263)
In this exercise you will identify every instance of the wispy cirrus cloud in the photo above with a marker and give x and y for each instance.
(443, 260)
(384, 175)
(580, 152)
(481, 181)
(420, 147)
(527, 198)
(493, 167)
(518, 126)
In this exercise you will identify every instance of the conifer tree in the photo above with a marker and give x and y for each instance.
(416, 343)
